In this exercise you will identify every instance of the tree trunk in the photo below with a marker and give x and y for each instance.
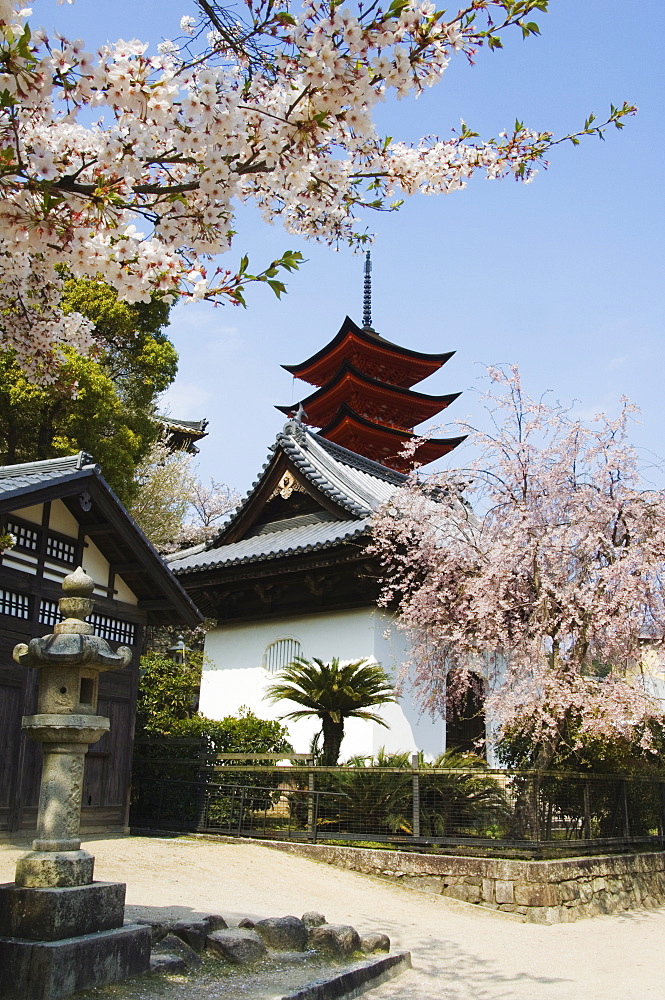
(333, 733)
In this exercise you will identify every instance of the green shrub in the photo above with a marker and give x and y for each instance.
(175, 774)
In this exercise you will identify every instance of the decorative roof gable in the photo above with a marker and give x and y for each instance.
(116, 534)
(311, 494)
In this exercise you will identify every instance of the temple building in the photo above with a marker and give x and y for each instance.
(56, 515)
(290, 574)
(182, 435)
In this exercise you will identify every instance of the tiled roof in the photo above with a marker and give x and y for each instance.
(17, 477)
(355, 484)
(174, 424)
(309, 534)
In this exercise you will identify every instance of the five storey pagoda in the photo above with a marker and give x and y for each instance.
(364, 399)
(292, 572)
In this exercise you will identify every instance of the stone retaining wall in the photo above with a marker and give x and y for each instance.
(542, 892)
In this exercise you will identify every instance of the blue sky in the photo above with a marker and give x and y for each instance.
(563, 277)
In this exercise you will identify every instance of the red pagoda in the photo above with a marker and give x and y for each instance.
(364, 400)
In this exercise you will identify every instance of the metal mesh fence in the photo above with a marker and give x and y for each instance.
(178, 786)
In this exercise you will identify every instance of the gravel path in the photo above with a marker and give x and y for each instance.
(460, 952)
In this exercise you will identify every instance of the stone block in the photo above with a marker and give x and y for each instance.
(369, 943)
(215, 922)
(174, 945)
(282, 933)
(53, 914)
(49, 970)
(192, 932)
(167, 963)
(237, 945)
(505, 891)
(465, 893)
(487, 890)
(533, 894)
(54, 869)
(598, 884)
(569, 891)
(313, 919)
(425, 883)
(334, 939)
(158, 929)
(545, 914)
(585, 891)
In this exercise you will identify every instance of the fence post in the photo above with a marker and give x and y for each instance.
(535, 807)
(311, 813)
(317, 799)
(202, 786)
(415, 765)
(241, 814)
(662, 810)
(626, 819)
(587, 811)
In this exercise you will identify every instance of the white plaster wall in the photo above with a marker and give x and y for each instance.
(96, 566)
(233, 677)
(34, 514)
(123, 593)
(60, 519)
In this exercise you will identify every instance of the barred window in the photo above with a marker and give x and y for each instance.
(26, 538)
(280, 654)
(17, 605)
(49, 613)
(61, 550)
(113, 629)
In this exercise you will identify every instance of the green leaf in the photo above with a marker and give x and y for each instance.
(278, 287)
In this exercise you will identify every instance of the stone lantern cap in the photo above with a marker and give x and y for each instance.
(73, 640)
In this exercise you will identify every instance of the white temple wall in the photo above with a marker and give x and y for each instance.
(234, 676)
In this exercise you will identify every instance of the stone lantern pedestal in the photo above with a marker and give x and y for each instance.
(60, 931)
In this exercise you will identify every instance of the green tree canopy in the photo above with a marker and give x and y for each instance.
(103, 403)
(168, 706)
(333, 693)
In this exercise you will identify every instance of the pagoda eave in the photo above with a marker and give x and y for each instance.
(377, 401)
(406, 367)
(384, 444)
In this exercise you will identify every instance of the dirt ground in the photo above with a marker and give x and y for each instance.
(460, 952)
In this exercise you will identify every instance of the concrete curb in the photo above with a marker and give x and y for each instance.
(352, 982)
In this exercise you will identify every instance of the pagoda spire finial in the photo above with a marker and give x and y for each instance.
(367, 297)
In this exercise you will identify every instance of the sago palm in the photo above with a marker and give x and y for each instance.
(333, 692)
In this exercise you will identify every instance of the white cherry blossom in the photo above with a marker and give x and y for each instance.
(276, 110)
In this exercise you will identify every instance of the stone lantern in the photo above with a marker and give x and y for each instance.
(60, 930)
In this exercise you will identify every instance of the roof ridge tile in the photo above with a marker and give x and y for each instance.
(81, 460)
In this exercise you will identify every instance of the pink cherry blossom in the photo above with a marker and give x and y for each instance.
(539, 568)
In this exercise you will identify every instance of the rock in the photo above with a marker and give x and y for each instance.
(173, 945)
(246, 922)
(370, 943)
(283, 933)
(237, 944)
(313, 919)
(193, 932)
(335, 939)
(215, 922)
(157, 928)
(167, 963)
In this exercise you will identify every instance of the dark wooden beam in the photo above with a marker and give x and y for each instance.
(101, 528)
(128, 567)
